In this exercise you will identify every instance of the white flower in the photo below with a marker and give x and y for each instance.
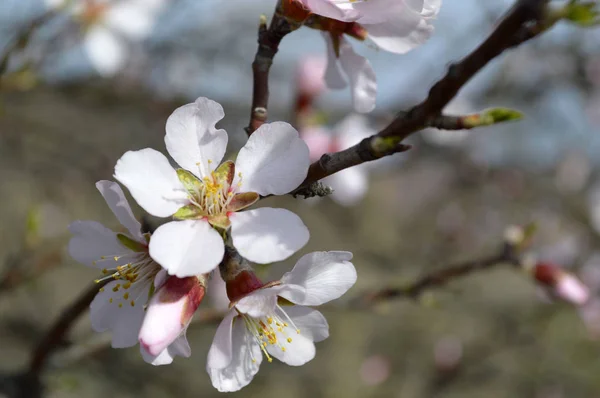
(350, 185)
(258, 322)
(274, 161)
(119, 306)
(110, 25)
(396, 26)
(169, 313)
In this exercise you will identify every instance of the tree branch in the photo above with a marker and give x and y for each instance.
(521, 23)
(268, 45)
(506, 256)
(56, 333)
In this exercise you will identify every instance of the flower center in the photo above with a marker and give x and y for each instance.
(137, 277)
(214, 192)
(270, 330)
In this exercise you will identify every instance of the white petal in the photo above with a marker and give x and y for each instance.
(258, 303)
(274, 161)
(124, 321)
(349, 185)
(180, 347)
(363, 82)
(267, 235)
(328, 9)
(325, 276)
(187, 248)
(192, 139)
(115, 199)
(333, 72)
(220, 352)
(404, 28)
(310, 322)
(245, 361)
(152, 181)
(299, 351)
(91, 241)
(352, 130)
(106, 51)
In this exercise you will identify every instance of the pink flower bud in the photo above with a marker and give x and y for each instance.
(561, 283)
(169, 312)
(310, 75)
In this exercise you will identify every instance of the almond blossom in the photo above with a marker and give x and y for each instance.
(110, 26)
(264, 320)
(205, 200)
(124, 259)
(350, 185)
(397, 26)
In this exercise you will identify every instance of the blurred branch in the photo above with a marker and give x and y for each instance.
(22, 39)
(56, 333)
(268, 45)
(516, 27)
(16, 274)
(506, 256)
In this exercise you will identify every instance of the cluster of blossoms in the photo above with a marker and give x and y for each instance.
(154, 283)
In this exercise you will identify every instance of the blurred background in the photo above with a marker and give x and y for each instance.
(81, 86)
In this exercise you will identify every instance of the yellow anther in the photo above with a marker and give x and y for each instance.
(209, 161)
(132, 303)
(298, 331)
(102, 257)
(116, 288)
(116, 258)
(104, 271)
(126, 296)
(120, 305)
(110, 300)
(264, 344)
(127, 285)
(285, 324)
(101, 289)
(270, 359)
(283, 349)
(253, 360)
(270, 320)
(289, 339)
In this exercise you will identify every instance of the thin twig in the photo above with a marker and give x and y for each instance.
(520, 24)
(268, 45)
(440, 278)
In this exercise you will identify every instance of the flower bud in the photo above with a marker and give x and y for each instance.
(310, 81)
(238, 275)
(561, 283)
(170, 311)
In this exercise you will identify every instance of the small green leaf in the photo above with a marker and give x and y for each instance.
(189, 212)
(584, 14)
(191, 183)
(500, 115)
(492, 116)
(131, 243)
(242, 200)
(225, 172)
(220, 221)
